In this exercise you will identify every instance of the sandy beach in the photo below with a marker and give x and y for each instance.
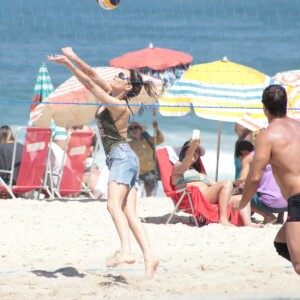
(58, 250)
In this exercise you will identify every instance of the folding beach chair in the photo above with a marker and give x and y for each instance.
(33, 164)
(189, 199)
(71, 175)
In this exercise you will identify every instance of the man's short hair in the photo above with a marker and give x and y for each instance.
(275, 100)
(243, 146)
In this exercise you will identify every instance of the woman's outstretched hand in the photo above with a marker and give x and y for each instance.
(194, 143)
(68, 51)
(59, 59)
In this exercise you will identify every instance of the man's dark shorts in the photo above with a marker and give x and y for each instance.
(294, 208)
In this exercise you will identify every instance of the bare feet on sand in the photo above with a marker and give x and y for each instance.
(226, 223)
(150, 267)
(119, 257)
(269, 219)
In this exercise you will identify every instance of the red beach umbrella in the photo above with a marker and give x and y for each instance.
(154, 58)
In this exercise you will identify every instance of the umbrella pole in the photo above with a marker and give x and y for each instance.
(154, 145)
(218, 148)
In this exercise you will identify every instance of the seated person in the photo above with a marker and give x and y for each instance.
(143, 145)
(6, 154)
(243, 133)
(188, 172)
(268, 198)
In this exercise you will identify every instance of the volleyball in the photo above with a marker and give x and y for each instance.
(108, 4)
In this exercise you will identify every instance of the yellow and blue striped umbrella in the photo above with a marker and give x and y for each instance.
(220, 90)
(291, 81)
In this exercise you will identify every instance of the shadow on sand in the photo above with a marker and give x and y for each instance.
(67, 271)
(187, 220)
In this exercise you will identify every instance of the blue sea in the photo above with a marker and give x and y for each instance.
(262, 34)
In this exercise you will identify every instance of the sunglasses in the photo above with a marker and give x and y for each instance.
(123, 76)
(134, 127)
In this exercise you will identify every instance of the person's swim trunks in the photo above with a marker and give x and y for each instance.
(294, 208)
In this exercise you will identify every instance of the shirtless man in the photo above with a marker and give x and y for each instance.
(279, 145)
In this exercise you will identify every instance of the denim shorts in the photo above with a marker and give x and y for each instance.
(258, 203)
(123, 165)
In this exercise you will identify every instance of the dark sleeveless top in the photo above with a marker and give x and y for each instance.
(109, 134)
(6, 157)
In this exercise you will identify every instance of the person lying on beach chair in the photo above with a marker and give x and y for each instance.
(188, 172)
(268, 198)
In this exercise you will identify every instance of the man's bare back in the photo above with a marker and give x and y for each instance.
(279, 145)
(283, 138)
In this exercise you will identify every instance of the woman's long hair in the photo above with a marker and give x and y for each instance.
(136, 80)
(196, 164)
(6, 134)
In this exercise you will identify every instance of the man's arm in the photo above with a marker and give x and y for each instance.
(260, 160)
(87, 69)
(246, 163)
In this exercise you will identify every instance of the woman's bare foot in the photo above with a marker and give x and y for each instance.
(150, 267)
(269, 219)
(119, 257)
(226, 223)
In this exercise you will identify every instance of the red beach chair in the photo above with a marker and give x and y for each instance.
(70, 181)
(189, 199)
(33, 164)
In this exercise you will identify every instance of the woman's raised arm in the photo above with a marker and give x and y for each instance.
(95, 89)
(87, 69)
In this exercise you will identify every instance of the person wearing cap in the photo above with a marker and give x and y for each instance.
(144, 146)
(116, 99)
(188, 172)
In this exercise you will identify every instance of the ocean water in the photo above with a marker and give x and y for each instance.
(262, 34)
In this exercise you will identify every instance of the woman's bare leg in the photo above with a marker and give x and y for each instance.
(140, 234)
(115, 204)
(245, 213)
(220, 193)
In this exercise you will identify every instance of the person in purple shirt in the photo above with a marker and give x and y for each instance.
(268, 198)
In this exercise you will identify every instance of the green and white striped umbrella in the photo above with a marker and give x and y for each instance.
(43, 86)
(42, 89)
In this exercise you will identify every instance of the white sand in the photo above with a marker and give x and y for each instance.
(211, 262)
